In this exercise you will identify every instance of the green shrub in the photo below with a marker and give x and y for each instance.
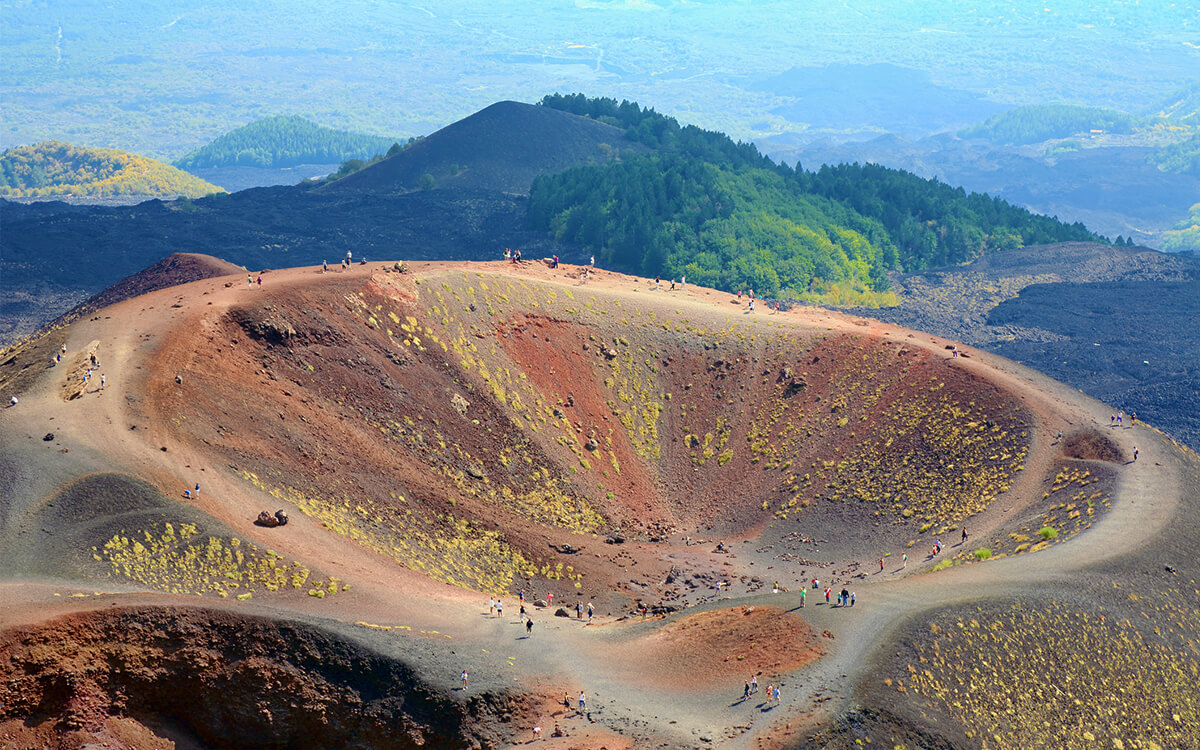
(983, 554)
(1048, 532)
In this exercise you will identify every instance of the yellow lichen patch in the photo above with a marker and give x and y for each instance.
(1070, 679)
(449, 550)
(179, 560)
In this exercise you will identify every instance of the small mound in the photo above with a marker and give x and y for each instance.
(241, 682)
(173, 270)
(1092, 445)
(724, 645)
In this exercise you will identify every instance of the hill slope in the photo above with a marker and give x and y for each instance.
(502, 147)
(1039, 122)
(283, 141)
(55, 168)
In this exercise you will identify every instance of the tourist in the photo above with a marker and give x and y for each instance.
(463, 677)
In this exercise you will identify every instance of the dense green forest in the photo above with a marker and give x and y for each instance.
(1182, 157)
(55, 168)
(728, 217)
(284, 141)
(1041, 122)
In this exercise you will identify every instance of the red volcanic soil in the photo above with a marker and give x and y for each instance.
(718, 647)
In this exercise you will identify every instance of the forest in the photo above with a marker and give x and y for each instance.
(284, 141)
(54, 168)
(1041, 122)
(725, 216)
(1182, 157)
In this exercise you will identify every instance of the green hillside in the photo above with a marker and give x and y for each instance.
(55, 168)
(1185, 237)
(1182, 157)
(728, 217)
(1040, 122)
(284, 141)
(1182, 106)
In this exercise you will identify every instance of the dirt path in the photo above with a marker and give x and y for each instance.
(560, 654)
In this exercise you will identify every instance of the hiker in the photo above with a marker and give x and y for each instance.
(499, 609)
(507, 254)
(582, 702)
(591, 611)
(517, 255)
(491, 606)
(196, 492)
(349, 258)
(592, 262)
(249, 281)
(1133, 419)
(463, 677)
(528, 626)
(775, 695)
(851, 598)
(1135, 453)
(770, 692)
(682, 281)
(845, 597)
(672, 283)
(881, 565)
(746, 690)
(578, 610)
(905, 563)
(12, 401)
(324, 266)
(753, 683)
(102, 380)
(964, 535)
(802, 595)
(739, 296)
(828, 591)
(815, 584)
(259, 280)
(751, 304)
(657, 281)
(554, 263)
